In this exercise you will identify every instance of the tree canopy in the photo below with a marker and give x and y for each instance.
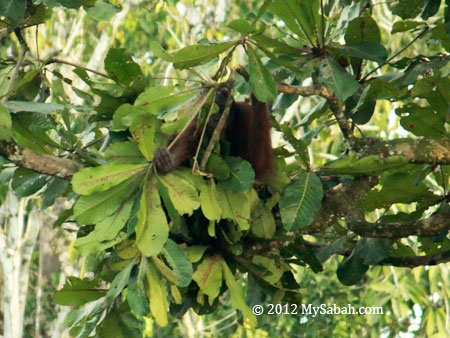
(360, 107)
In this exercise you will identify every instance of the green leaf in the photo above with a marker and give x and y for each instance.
(199, 54)
(105, 232)
(242, 175)
(218, 167)
(301, 202)
(195, 252)
(262, 82)
(137, 300)
(208, 276)
(237, 297)
(182, 193)
(177, 260)
(235, 206)
(120, 65)
(143, 131)
(366, 51)
(163, 99)
(5, 124)
(103, 11)
(422, 121)
(353, 269)
(209, 203)
(159, 51)
(405, 26)
(300, 16)
(418, 67)
(369, 165)
(14, 10)
(242, 26)
(55, 188)
(26, 182)
(158, 295)
(44, 108)
(124, 153)
(91, 180)
(119, 282)
(337, 79)
(152, 229)
(362, 30)
(262, 221)
(399, 187)
(93, 208)
(76, 292)
(408, 8)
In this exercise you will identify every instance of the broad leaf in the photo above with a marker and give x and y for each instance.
(198, 54)
(301, 202)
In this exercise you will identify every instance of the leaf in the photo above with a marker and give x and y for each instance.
(362, 30)
(152, 229)
(91, 180)
(218, 167)
(26, 182)
(209, 203)
(93, 208)
(158, 295)
(262, 82)
(137, 300)
(195, 252)
(369, 165)
(55, 188)
(120, 65)
(408, 8)
(242, 26)
(237, 297)
(178, 262)
(262, 221)
(235, 206)
(208, 276)
(182, 193)
(300, 16)
(5, 124)
(143, 130)
(124, 153)
(352, 269)
(399, 187)
(159, 51)
(337, 79)
(334, 247)
(366, 51)
(119, 282)
(301, 202)
(103, 11)
(405, 26)
(199, 54)
(242, 175)
(14, 10)
(422, 121)
(162, 99)
(44, 108)
(106, 230)
(76, 292)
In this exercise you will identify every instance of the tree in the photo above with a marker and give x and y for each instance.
(165, 244)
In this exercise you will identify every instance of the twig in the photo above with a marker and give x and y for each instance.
(56, 60)
(218, 130)
(396, 54)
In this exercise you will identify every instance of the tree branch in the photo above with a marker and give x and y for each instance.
(45, 164)
(431, 226)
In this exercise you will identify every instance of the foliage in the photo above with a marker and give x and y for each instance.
(164, 244)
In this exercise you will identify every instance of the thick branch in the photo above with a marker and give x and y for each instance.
(45, 164)
(431, 226)
(420, 151)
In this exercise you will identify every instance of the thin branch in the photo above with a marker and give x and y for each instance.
(396, 54)
(56, 60)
